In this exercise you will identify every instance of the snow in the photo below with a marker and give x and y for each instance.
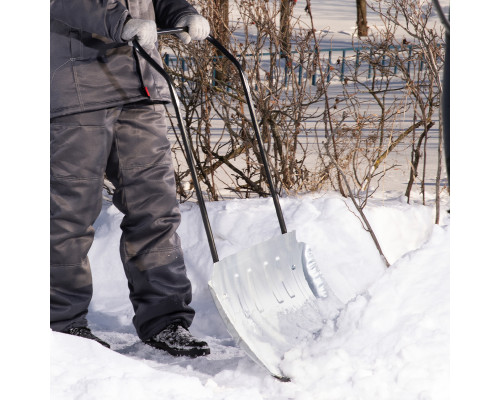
(390, 340)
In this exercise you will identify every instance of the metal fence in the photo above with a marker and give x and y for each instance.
(333, 64)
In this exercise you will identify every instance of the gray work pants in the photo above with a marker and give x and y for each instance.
(129, 143)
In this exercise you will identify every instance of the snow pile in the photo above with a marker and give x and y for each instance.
(389, 341)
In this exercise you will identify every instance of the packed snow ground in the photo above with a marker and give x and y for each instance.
(389, 342)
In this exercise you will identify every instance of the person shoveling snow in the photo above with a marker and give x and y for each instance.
(106, 118)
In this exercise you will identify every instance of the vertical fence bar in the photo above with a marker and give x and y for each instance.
(370, 65)
(396, 64)
(183, 66)
(328, 77)
(286, 71)
(300, 74)
(167, 60)
(316, 51)
(357, 63)
(342, 70)
(214, 72)
(270, 75)
(409, 57)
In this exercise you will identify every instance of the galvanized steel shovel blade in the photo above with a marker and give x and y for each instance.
(267, 296)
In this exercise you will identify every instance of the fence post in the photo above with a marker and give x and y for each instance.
(409, 57)
(286, 71)
(328, 77)
(343, 66)
(395, 63)
(167, 60)
(314, 74)
(214, 72)
(370, 65)
(357, 63)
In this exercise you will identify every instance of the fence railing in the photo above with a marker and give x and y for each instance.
(339, 64)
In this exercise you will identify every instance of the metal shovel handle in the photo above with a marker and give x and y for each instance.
(263, 154)
(182, 128)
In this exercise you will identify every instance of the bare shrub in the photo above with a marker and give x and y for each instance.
(327, 123)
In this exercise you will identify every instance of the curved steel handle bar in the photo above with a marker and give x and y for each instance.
(182, 128)
(246, 89)
(263, 154)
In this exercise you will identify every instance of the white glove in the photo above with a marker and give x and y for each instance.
(144, 29)
(199, 28)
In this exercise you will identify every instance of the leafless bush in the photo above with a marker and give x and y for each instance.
(381, 97)
(420, 60)
(284, 103)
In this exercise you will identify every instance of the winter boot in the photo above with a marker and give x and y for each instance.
(85, 332)
(178, 341)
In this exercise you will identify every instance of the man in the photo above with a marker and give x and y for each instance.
(107, 117)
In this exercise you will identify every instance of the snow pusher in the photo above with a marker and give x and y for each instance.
(267, 295)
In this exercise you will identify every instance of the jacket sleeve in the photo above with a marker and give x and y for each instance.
(169, 11)
(102, 17)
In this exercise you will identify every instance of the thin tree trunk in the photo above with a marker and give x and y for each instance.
(220, 25)
(361, 22)
(285, 32)
(220, 20)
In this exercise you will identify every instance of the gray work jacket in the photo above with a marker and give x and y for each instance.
(91, 67)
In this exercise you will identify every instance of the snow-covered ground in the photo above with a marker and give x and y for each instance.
(390, 341)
